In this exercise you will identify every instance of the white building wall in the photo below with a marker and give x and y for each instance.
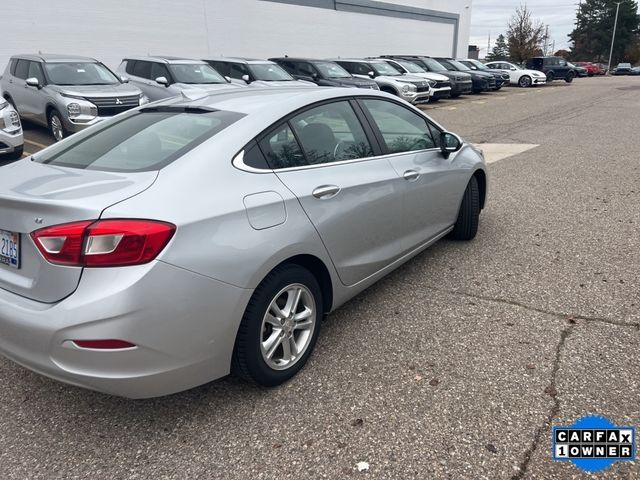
(110, 30)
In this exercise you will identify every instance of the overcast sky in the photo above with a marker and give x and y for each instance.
(491, 16)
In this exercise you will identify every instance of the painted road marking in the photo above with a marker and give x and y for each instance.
(494, 152)
(31, 142)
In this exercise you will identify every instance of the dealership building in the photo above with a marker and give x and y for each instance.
(110, 30)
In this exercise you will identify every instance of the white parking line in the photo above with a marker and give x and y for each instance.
(494, 152)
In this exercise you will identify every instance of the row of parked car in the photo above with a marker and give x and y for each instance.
(69, 93)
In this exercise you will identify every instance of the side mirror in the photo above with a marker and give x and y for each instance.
(33, 82)
(246, 78)
(513, 68)
(449, 143)
(162, 81)
(227, 78)
(124, 79)
(372, 74)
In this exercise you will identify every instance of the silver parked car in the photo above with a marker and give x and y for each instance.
(186, 239)
(11, 138)
(66, 93)
(410, 88)
(164, 77)
(255, 72)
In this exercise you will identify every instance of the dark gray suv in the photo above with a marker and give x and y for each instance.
(66, 93)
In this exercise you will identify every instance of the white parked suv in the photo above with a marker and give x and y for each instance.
(440, 85)
(518, 75)
(408, 87)
(11, 139)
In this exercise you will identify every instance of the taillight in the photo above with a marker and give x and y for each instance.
(103, 243)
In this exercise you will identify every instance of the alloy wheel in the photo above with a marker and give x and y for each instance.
(288, 326)
(56, 128)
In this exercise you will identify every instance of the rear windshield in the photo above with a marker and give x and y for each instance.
(144, 141)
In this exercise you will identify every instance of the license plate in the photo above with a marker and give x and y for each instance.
(10, 249)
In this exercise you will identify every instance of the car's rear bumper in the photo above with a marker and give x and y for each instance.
(184, 326)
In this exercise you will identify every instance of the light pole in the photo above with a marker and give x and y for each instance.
(613, 39)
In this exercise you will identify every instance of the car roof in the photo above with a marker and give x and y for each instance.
(268, 102)
(247, 61)
(300, 59)
(356, 60)
(164, 59)
(54, 58)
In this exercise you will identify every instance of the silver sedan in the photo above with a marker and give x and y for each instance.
(184, 240)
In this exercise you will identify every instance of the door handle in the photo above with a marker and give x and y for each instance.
(411, 175)
(325, 192)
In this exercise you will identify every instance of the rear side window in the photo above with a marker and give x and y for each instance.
(402, 130)
(331, 133)
(282, 149)
(22, 69)
(144, 141)
(142, 69)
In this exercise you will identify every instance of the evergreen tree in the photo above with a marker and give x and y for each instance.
(500, 50)
(591, 39)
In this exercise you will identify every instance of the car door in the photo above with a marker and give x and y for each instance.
(18, 86)
(411, 143)
(34, 100)
(325, 156)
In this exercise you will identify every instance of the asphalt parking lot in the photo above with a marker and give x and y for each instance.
(454, 366)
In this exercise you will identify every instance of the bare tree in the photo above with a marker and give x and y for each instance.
(524, 35)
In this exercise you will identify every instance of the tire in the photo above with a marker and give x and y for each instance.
(251, 359)
(455, 95)
(11, 102)
(466, 225)
(570, 76)
(56, 125)
(525, 81)
(550, 77)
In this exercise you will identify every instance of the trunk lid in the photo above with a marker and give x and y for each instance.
(33, 196)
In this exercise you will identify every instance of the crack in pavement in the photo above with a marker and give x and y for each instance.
(551, 389)
(553, 393)
(516, 303)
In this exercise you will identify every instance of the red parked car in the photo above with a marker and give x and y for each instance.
(592, 68)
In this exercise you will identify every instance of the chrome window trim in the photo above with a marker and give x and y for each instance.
(238, 161)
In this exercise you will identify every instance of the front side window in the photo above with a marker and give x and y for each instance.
(79, 73)
(142, 69)
(237, 71)
(144, 141)
(281, 148)
(331, 133)
(402, 130)
(159, 70)
(35, 71)
(269, 72)
(196, 73)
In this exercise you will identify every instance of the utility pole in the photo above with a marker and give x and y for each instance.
(546, 41)
(613, 38)
(489, 44)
